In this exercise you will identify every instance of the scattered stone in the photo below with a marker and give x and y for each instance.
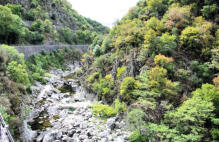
(78, 126)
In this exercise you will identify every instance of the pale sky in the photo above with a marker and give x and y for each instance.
(103, 11)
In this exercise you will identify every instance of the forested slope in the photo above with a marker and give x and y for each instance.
(162, 61)
(49, 21)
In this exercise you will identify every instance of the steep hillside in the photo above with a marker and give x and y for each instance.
(162, 60)
(50, 21)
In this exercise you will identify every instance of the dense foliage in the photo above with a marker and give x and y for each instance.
(37, 22)
(162, 58)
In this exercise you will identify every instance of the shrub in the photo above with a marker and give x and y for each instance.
(107, 44)
(47, 26)
(127, 87)
(66, 35)
(136, 136)
(198, 39)
(209, 11)
(97, 51)
(167, 44)
(103, 111)
(38, 77)
(119, 106)
(130, 35)
(112, 57)
(32, 14)
(144, 54)
(37, 26)
(156, 7)
(160, 85)
(165, 62)
(150, 40)
(136, 119)
(13, 54)
(4, 114)
(120, 71)
(93, 77)
(182, 74)
(190, 37)
(104, 86)
(178, 17)
(15, 9)
(162, 60)
(101, 62)
(18, 73)
(164, 44)
(203, 71)
(215, 134)
(155, 24)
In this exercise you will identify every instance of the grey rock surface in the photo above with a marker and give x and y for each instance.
(69, 118)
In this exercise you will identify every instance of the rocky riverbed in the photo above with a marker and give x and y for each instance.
(61, 112)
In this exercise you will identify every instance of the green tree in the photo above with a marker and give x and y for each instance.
(11, 26)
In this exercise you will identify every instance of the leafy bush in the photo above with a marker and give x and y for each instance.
(203, 71)
(137, 124)
(66, 35)
(18, 73)
(136, 136)
(104, 111)
(178, 17)
(16, 9)
(47, 26)
(209, 11)
(93, 77)
(198, 38)
(164, 44)
(37, 26)
(13, 54)
(101, 62)
(162, 60)
(4, 114)
(107, 44)
(97, 51)
(104, 86)
(156, 8)
(120, 71)
(155, 24)
(119, 106)
(160, 85)
(127, 87)
(143, 56)
(130, 35)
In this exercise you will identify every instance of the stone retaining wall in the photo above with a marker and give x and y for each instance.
(36, 49)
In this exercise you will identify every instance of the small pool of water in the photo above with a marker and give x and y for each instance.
(42, 121)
